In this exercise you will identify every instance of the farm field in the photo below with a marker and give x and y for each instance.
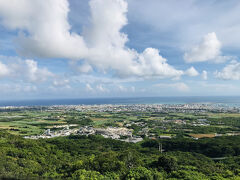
(145, 124)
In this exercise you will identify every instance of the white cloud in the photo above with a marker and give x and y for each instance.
(101, 45)
(229, 72)
(89, 88)
(152, 64)
(84, 68)
(26, 70)
(102, 89)
(209, 49)
(48, 31)
(34, 73)
(4, 71)
(122, 88)
(204, 75)
(192, 72)
(60, 82)
(107, 44)
(107, 19)
(106, 88)
(182, 87)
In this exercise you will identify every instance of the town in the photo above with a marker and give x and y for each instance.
(122, 134)
(129, 123)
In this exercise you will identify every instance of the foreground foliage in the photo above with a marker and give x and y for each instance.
(93, 157)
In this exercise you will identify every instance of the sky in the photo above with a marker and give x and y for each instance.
(119, 48)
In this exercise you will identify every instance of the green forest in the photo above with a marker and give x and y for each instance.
(94, 157)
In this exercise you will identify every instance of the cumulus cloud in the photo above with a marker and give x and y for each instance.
(34, 73)
(106, 88)
(101, 88)
(4, 71)
(89, 88)
(81, 67)
(59, 82)
(153, 64)
(107, 47)
(204, 75)
(122, 88)
(27, 70)
(48, 31)
(44, 31)
(182, 87)
(229, 72)
(209, 49)
(84, 68)
(192, 72)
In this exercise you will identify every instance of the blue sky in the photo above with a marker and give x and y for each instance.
(119, 48)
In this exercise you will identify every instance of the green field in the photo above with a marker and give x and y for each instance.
(35, 122)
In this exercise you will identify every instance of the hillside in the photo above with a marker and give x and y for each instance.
(93, 157)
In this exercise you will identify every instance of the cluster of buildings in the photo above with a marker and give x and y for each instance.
(201, 122)
(66, 131)
(122, 134)
(164, 108)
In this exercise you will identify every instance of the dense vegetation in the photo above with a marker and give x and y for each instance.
(211, 147)
(93, 157)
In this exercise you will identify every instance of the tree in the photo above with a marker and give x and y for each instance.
(188, 175)
(82, 174)
(139, 173)
(167, 163)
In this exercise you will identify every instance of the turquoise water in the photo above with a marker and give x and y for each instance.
(229, 101)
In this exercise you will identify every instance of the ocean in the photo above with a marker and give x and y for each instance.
(226, 100)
